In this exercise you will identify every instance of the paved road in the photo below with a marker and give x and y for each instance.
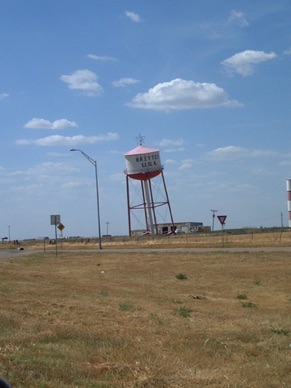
(7, 253)
(4, 253)
(246, 249)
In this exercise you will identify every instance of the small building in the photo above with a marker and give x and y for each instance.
(180, 227)
(184, 227)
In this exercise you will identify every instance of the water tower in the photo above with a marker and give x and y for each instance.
(143, 168)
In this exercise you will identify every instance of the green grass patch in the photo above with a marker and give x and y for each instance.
(248, 304)
(281, 331)
(242, 296)
(126, 307)
(184, 312)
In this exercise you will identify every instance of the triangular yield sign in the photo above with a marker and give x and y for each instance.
(222, 219)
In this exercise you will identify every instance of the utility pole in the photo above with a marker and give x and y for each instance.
(9, 238)
(213, 218)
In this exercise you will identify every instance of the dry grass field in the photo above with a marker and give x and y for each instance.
(146, 319)
(215, 240)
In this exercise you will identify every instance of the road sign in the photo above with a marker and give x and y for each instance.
(55, 219)
(222, 219)
(61, 227)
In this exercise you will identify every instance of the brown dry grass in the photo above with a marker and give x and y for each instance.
(65, 323)
(215, 240)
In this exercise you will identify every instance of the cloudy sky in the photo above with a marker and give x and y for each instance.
(207, 83)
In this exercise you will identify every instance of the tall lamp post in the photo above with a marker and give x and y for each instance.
(92, 161)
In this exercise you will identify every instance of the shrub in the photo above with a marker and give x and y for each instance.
(125, 307)
(181, 276)
(242, 296)
(248, 304)
(281, 331)
(184, 312)
(177, 301)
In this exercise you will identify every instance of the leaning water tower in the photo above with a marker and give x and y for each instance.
(143, 166)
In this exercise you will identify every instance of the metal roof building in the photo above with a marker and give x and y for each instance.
(180, 227)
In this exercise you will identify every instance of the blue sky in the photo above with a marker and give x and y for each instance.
(206, 82)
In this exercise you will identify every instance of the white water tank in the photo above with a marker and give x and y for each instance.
(143, 163)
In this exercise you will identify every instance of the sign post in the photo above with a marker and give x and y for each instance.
(222, 221)
(55, 220)
(45, 238)
(61, 227)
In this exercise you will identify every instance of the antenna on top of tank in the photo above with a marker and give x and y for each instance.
(140, 139)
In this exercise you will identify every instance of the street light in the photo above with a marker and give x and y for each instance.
(92, 161)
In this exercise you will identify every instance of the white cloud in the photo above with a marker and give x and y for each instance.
(116, 177)
(170, 162)
(3, 95)
(186, 164)
(238, 17)
(260, 172)
(133, 16)
(243, 63)
(169, 143)
(124, 82)
(234, 153)
(180, 94)
(101, 58)
(246, 187)
(172, 150)
(171, 146)
(285, 163)
(287, 52)
(44, 169)
(72, 185)
(83, 80)
(36, 123)
(69, 141)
